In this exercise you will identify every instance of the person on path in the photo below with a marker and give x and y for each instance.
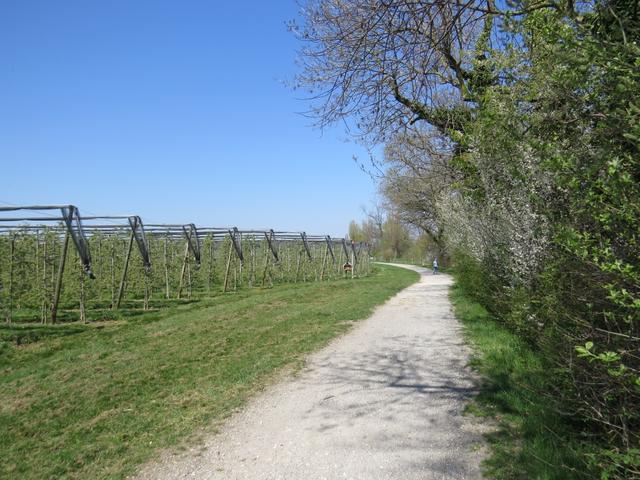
(435, 266)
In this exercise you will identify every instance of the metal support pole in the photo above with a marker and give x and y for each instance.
(270, 241)
(330, 247)
(303, 235)
(237, 243)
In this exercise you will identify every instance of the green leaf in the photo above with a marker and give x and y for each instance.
(608, 357)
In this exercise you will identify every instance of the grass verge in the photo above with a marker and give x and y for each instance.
(532, 440)
(99, 400)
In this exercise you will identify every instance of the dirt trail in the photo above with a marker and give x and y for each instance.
(384, 401)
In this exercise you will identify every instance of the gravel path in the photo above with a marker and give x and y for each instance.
(381, 402)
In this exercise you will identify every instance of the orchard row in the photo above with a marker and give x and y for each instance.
(72, 268)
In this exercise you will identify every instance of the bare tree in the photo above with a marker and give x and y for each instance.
(417, 175)
(376, 215)
(392, 63)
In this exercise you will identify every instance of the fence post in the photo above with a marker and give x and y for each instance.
(123, 279)
(56, 294)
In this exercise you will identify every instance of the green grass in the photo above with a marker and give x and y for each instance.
(532, 440)
(94, 401)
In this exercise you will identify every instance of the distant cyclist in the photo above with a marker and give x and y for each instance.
(435, 266)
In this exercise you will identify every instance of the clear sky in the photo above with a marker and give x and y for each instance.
(173, 110)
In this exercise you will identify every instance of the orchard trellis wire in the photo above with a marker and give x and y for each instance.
(56, 265)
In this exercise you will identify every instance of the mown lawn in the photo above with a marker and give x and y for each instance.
(95, 401)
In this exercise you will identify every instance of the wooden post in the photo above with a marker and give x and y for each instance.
(37, 254)
(346, 260)
(235, 275)
(353, 265)
(264, 271)
(188, 280)
(288, 263)
(43, 303)
(99, 269)
(148, 280)
(123, 279)
(83, 312)
(298, 266)
(185, 259)
(58, 290)
(147, 291)
(226, 273)
(324, 261)
(210, 273)
(252, 274)
(166, 267)
(113, 271)
(240, 264)
(11, 262)
(148, 274)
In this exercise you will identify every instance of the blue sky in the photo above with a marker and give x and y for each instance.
(176, 111)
